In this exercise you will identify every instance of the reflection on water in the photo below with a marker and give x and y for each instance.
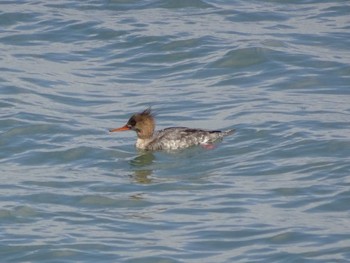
(144, 159)
(142, 170)
(142, 176)
(273, 191)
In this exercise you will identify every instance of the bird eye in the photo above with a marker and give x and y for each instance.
(132, 122)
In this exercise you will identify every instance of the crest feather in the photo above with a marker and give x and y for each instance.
(147, 112)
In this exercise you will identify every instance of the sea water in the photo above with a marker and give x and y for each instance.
(278, 72)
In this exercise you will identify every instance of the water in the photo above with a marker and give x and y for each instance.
(276, 71)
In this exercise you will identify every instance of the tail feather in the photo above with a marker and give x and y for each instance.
(224, 133)
(228, 132)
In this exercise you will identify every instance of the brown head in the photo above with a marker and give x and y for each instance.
(142, 123)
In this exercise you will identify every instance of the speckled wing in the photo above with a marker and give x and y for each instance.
(181, 137)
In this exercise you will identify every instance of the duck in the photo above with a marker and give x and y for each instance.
(172, 138)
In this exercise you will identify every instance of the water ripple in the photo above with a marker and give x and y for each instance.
(276, 71)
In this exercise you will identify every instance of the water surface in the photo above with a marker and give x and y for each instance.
(276, 71)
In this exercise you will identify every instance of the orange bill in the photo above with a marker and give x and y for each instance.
(124, 128)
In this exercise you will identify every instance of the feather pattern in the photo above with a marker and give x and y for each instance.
(172, 138)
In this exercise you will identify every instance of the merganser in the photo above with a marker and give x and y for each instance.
(172, 138)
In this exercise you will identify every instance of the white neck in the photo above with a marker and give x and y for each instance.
(142, 143)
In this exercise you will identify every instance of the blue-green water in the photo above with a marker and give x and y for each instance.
(276, 71)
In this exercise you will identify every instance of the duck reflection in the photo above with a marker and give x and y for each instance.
(142, 169)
